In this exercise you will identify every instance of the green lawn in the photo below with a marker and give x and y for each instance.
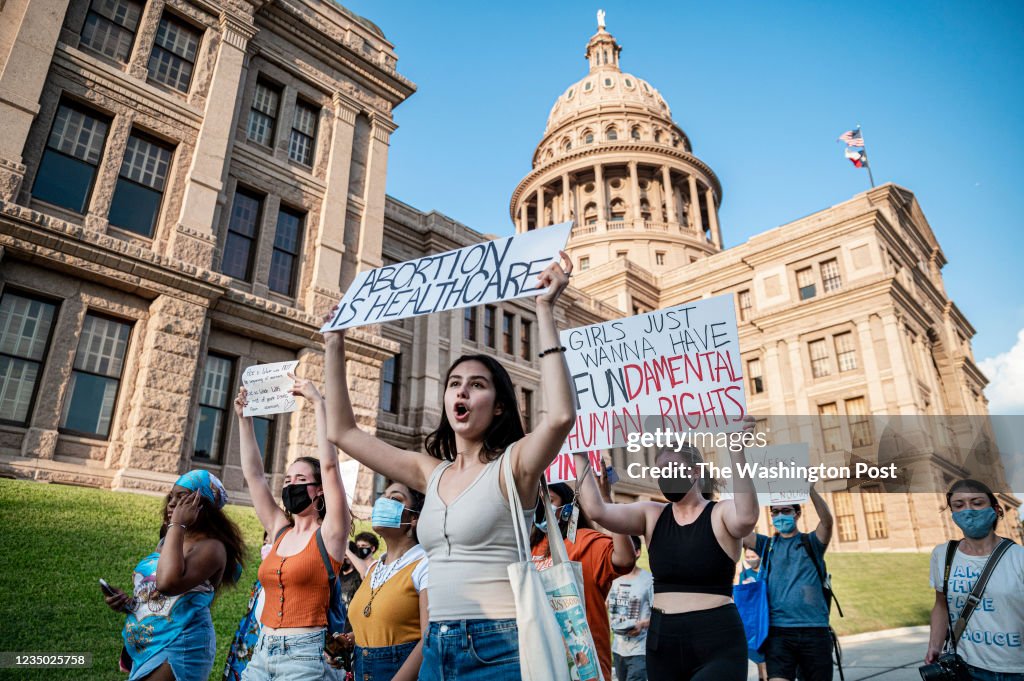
(57, 540)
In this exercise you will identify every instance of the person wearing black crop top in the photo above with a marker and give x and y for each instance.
(694, 543)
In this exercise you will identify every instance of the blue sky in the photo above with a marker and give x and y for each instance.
(762, 90)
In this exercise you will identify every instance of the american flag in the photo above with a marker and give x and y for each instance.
(852, 138)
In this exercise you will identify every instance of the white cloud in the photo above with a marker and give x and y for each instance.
(1005, 392)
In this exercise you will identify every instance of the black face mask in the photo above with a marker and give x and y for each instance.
(296, 498)
(364, 552)
(675, 489)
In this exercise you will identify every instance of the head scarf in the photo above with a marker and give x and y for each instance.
(207, 484)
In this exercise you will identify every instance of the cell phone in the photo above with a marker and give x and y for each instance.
(613, 477)
(106, 588)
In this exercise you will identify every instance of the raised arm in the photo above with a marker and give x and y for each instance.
(825, 521)
(338, 518)
(625, 519)
(271, 515)
(539, 447)
(177, 571)
(739, 514)
(409, 468)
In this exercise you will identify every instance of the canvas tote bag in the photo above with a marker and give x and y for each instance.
(555, 643)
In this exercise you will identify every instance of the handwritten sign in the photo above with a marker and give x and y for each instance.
(269, 388)
(487, 272)
(677, 369)
(780, 474)
(564, 467)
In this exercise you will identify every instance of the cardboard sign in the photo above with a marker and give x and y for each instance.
(677, 369)
(268, 389)
(779, 472)
(487, 272)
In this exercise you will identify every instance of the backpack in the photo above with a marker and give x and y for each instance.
(337, 611)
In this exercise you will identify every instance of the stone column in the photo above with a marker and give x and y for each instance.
(195, 237)
(867, 355)
(329, 237)
(672, 214)
(28, 35)
(602, 209)
(634, 191)
(905, 402)
(695, 218)
(301, 424)
(716, 234)
(796, 362)
(541, 222)
(521, 216)
(371, 227)
(774, 386)
(157, 437)
(567, 202)
(425, 371)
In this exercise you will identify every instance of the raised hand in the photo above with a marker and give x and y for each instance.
(304, 388)
(555, 278)
(240, 401)
(186, 511)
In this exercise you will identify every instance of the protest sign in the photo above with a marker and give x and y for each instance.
(268, 389)
(564, 467)
(780, 473)
(677, 369)
(349, 478)
(487, 272)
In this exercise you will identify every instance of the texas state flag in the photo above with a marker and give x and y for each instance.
(857, 157)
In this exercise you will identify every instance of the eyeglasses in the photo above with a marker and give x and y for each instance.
(783, 511)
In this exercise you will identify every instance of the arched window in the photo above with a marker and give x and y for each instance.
(618, 210)
(635, 133)
(657, 135)
(611, 134)
(566, 144)
(588, 137)
(549, 155)
(645, 209)
(590, 214)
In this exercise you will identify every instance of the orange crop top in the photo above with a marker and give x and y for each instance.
(295, 587)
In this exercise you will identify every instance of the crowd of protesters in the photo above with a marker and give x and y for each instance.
(437, 604)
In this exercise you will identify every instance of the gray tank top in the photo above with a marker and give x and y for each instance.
(470, 544)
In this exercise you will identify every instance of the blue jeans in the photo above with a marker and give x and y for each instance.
(380, 664)
(979, 674)
(471, 650)
(299, 657)
(630, 667)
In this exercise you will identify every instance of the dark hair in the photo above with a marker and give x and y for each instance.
(636, 542)
(368, 537)
(416, 500)
(969, 485)
(214, 524)
(318, 479)
(692, 456)
(505, 428)
(564, 493)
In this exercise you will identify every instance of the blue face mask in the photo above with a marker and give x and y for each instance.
(387, 513)
(784, 523)
(975, 522)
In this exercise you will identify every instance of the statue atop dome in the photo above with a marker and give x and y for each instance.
(600, 19)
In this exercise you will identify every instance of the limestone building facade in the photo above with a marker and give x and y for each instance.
(186, 186)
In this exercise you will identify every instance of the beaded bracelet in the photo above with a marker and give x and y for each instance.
(551, 350)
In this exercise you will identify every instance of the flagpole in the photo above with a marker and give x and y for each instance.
(870, 176)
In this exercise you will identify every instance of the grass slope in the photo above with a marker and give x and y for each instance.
(56, 541)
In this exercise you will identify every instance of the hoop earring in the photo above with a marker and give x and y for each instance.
(321, 507)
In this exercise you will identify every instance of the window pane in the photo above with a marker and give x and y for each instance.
(90, 404)
(469, 324)
(506, 330)
(169, 69)
(216, 388)
(819, 359)
(77, 134)
(264, 428)
(17, 384)
(282, 268)
(237, 251)
(305, 119)
(24, 326)
(178, 38)
(525, 339)
(125, 13)
(106, 37)
(261, 128)
(289, 231)
(830, 278)
(208, 429)
(101, 347)
(263, 113)
(146, 163)
(134, 207)
(846, 353)
(63, 181)
(300, 148)
(388, 386)
(245, 214)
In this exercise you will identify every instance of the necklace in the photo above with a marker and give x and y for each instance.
(378, 579)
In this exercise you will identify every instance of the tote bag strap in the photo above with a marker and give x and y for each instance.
(555, 543)
(516, 504)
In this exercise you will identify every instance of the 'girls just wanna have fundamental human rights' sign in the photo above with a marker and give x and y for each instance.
(487, 272)
(676, 369)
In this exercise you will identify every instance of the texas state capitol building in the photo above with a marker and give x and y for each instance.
(187, 187)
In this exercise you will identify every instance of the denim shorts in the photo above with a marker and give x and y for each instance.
(299, 657)
(380, 664)
(471, 650)
(979, 674)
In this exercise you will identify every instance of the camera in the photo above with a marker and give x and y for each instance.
(949, 667)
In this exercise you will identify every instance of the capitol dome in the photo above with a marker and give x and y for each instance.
(612, 161)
